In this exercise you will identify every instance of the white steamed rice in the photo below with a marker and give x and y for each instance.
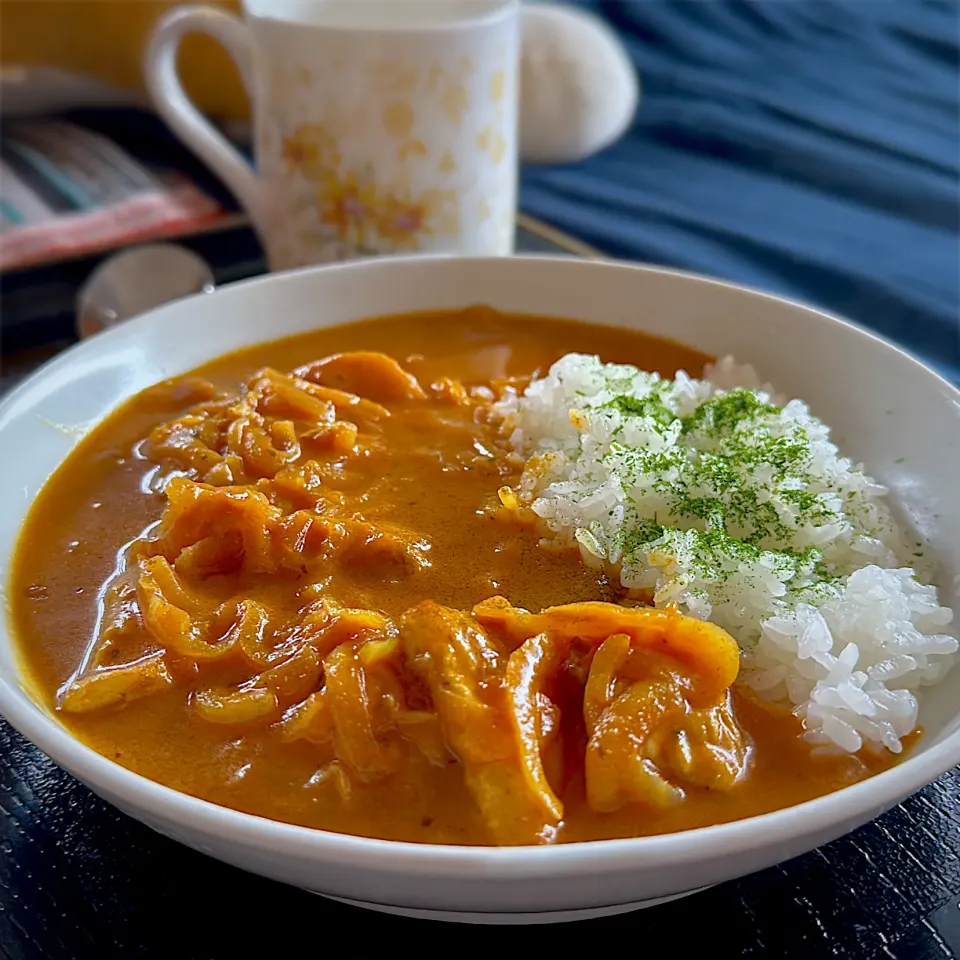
(715, 495)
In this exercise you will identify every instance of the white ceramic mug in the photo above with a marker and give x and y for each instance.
(379, 126)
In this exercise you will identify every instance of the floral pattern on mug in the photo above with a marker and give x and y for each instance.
(351, 210)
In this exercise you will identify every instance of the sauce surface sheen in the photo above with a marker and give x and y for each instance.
(437, 475)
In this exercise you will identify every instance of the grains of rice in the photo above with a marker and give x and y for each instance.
(717, 495)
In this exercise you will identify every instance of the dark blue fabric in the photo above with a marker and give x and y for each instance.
(802, 147)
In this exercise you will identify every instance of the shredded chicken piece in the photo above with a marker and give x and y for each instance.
(529, 668)
(310, 720)
(327, 625)
(619, 722)
(222, 530)
(349, 405)
(707, 748)
(462, 669)
(115, 686)
(179, 630)
(275, 394)
(353, 698)
(250, 633)
(295, 678)
(190, 443)
(704, 648)
(384, 549)
(373, 375)
(337, 438)
(422, 728)
(450, 391)
(302, 487)
(253, 705)
(600, 687)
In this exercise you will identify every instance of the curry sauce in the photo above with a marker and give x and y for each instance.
(234, 563)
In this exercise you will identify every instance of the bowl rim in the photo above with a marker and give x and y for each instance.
(840, 810)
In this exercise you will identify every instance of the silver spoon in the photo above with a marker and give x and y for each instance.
(136, 280)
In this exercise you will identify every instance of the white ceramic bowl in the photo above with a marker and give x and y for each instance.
(886, 409)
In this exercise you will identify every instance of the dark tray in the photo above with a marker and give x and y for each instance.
(79, 879)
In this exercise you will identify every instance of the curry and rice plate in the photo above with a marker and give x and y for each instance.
(454, 578)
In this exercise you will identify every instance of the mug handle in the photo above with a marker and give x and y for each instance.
(176, 108)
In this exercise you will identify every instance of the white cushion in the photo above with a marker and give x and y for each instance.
(578, 89)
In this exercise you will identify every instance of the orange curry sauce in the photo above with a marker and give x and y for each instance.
(434, 471)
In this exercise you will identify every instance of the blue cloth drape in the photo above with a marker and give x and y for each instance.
(803, 147)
